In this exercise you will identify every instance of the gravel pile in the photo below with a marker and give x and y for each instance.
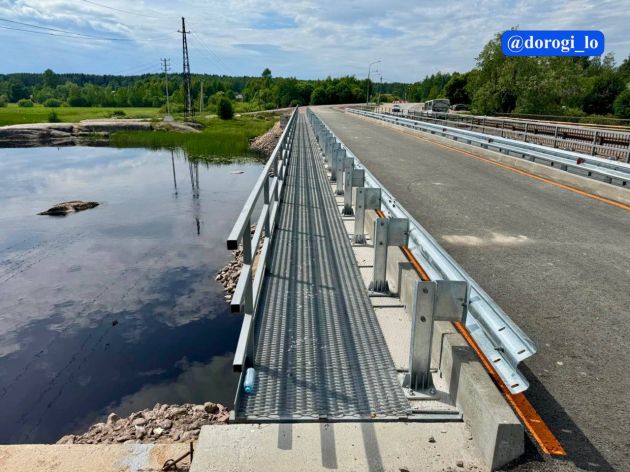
(162, 424)
(228, 276)
(266, 143)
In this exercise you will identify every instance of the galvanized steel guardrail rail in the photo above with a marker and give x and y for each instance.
(605, 170)
(608, 143)
(266, 192)
(503, 343)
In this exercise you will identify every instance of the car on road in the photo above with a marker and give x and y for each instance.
(460, 107)
(396, 109)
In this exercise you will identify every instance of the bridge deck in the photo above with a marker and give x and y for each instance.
(319, 351)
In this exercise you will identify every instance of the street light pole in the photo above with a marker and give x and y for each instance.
(367, 92)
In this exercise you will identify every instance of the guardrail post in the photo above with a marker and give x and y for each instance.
(440, 300)
(336, 154)
(525, 136)
(502, 127)
(628, 154)
(247, 260)
(387, 232)
(352, 178)
(339, 166)
(266, 201)
(595, 136)
(555, 137)
(366, 199)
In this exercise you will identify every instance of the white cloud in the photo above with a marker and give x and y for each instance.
(307, 39)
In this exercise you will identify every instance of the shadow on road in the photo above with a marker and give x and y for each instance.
(581, 453)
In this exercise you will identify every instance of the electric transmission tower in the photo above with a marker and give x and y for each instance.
(189, 111)
(166, 66)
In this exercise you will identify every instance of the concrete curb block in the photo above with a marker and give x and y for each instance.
(585, 184)
(497, 433)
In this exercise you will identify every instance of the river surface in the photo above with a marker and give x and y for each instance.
(114, 308)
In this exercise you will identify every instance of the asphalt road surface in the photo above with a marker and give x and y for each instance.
(557, 262)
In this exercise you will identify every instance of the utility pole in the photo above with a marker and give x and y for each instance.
(367, 93)
(166, 65)
(189, 111)
(201, 98)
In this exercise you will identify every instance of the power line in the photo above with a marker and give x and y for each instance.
(62, 31)
(135, 69)
(217, 59)
(135, 13)
(67, 33)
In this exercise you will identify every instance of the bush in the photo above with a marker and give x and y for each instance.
(622, 104)
(52, 103)
(573, 111)
(118, 114)
(78, 102)
(53, 118)
(225, 110)
(3, 101)
(25, 103)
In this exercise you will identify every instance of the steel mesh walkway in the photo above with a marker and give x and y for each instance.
(319, 351)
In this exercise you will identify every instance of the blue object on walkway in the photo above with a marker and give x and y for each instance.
(250, 380)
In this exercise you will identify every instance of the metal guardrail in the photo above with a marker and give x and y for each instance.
(270, 186)
(503, 343)
(605, 170)
(609, 144)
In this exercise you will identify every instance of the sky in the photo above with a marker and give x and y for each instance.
(298, 38)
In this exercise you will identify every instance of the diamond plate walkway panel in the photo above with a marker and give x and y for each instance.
(319, 351)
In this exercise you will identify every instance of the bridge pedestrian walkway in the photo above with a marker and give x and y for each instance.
(319, 353)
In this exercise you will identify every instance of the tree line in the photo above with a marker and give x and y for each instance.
(571, 86)
(263, 92)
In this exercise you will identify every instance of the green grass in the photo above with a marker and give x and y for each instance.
(13, 115)
(219, 139)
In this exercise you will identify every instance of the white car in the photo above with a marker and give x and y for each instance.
(396, 109)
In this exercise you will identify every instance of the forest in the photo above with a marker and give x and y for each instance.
(256, 93)
(571, 86)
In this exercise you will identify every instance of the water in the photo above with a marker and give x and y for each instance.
(114, 308)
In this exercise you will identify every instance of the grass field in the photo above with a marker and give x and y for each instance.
(13, 115)
(220, 138)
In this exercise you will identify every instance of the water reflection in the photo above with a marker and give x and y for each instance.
(115, 307)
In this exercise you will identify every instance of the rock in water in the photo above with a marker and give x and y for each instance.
(62, 209)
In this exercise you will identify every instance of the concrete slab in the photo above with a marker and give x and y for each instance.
(391, 447)
(89, 457)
